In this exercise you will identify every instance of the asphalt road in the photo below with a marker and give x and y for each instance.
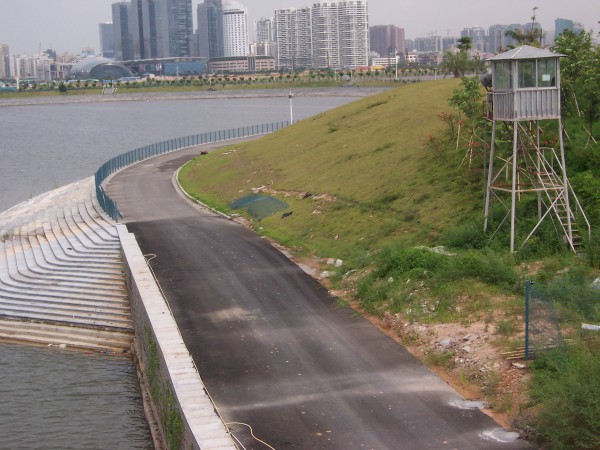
(272, 346)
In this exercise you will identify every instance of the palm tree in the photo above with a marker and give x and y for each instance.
(531, 36)
(455, 63)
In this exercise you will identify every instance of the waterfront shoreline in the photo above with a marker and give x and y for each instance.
(345, 91)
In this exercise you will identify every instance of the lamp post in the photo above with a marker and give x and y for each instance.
(291, 110)
(396, 60)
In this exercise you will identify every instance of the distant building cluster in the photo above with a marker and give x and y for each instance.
(158, 36)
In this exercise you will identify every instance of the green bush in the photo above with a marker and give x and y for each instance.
(469, 235)
(488, 266)
(401, 262)
(566, 387)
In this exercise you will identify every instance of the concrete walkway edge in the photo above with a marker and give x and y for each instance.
(155, 327)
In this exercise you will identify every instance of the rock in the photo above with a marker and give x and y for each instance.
(596, 283)
(517, 365)
(467, 337)
(330, 261)
(325, 274)
(467, 349)
(446, 343)
(339, 263)
(390, 280)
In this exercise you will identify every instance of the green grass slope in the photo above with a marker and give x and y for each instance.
(355, 178)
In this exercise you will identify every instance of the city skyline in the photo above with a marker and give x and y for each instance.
(28, 27)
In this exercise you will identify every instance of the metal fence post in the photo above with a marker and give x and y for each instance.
(528, 285)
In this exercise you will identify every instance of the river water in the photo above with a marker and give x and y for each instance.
(53, 399)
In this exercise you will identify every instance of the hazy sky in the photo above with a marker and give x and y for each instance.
(70, 25)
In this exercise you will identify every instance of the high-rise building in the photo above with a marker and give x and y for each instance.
(354, 33)
(430, 44)
(496, 41)
(4, 62)
(477, 35)
(123, 41)
(561, 25)
(293, 38)
(235, 33)
(136, 29)
(37, 68)
(264, 38)
(330, 34)
(210, 29)
(174, 28)
(107, 40)
(387, 40)
(142, 23)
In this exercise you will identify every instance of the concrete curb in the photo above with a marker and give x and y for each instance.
(166, 364)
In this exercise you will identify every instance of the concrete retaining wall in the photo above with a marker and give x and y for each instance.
(186, 414)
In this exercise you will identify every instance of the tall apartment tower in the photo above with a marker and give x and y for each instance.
(326, 35)
(123, 40)
(107, 39)
(477, 35)
(264, 37)
(4, 61)
(387, 40)
(293, 38)
(331, 34)
(210, 29)
(354, 33)
(496, 41)
(235, 33)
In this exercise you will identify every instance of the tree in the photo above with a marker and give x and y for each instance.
(455, 63)
(458, 63)
(530, 36)
(465, 44)
(580, 77)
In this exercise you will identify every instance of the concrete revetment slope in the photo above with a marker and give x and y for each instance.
(70, 277)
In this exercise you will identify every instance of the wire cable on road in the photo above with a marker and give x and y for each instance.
(251, 434)
(149, 257)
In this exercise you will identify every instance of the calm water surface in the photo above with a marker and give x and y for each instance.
(56, 400)
(43, 147)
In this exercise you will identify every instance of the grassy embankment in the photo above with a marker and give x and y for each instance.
(370, 177)
(372, 181)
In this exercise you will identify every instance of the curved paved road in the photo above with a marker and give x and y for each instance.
(273, 349)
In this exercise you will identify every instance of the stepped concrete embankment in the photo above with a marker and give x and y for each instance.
(61, 273)
(67, 275)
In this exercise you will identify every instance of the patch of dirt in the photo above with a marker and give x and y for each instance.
(472, 363)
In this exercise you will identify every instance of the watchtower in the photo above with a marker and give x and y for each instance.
(525, 102)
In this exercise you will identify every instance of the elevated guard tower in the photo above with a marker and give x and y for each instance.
(525, 95)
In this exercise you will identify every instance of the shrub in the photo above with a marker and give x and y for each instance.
(487, 266)
(566, 386)
(467, 235)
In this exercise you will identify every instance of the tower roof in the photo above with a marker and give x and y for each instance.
(525, 52)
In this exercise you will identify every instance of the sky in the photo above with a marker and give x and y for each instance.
(71, 25)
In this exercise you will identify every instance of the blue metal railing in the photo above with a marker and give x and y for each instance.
(126, 159)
